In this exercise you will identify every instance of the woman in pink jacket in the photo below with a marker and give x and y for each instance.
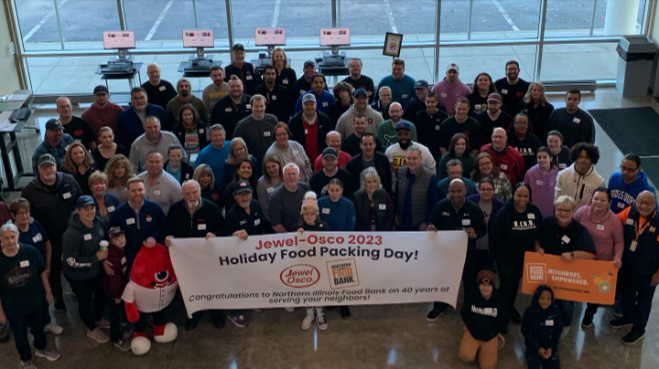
(606, 230)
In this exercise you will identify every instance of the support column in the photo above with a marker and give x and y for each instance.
(621, 17)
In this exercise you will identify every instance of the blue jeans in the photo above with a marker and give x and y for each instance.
(567, 311)
(20, 325)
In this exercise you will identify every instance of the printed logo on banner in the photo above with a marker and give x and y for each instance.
(536, 273)
(342, 273)
(300, 275)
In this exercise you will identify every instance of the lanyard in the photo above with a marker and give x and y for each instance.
(637, 226)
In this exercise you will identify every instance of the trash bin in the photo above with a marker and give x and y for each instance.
(635, 65)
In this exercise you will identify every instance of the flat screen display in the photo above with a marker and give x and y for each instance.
(118, 39)
(335, 37)
(198, 38)
(270, 36)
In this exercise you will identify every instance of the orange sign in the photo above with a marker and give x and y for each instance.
(577, 280)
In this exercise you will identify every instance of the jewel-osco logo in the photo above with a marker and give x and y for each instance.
(300, 276)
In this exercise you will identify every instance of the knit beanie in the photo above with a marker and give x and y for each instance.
(486, 276)
(309, 203)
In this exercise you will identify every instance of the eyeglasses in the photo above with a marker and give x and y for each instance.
(281, 134)
(486, 189)
(564, 211)
(630, 170)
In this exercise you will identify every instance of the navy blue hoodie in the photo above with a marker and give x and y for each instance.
(542, 328)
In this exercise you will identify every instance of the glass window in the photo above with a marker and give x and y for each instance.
(585, 18)
(302, 24)
(579, 62)
(490, 59)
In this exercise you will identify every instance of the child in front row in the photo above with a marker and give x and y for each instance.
(310, 221)
(485, 316)
(114, 285)
(542, 326)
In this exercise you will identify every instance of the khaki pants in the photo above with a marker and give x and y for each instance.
(487, 350)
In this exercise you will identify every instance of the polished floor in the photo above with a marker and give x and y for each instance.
(396, 336)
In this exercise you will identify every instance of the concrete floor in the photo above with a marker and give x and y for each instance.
(396, 336)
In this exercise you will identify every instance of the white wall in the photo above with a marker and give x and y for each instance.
(8, 66)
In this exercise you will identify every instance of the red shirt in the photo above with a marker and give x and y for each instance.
(311, 139)
(509, 161)
(343, 159)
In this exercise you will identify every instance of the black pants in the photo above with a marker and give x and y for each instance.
(55, 277)
(509, 275)
(91, 299)
(536, 362)
(158, 319)
(20, 325)
(637, 294)
(116, 311)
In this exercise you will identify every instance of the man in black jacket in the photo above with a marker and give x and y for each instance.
(371, 158)
(232, 108)
(194, 217)
(52, 196)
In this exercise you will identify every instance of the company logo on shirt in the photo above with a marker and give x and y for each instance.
(18, 277)
(523, 225)
(484, 311)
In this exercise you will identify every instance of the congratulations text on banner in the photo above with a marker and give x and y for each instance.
(576, 280)
(319, 269)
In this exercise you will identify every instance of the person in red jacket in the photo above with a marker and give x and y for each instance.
(114, 284)
(505, 156)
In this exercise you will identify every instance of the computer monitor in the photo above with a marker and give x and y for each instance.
(335, 37)
(198, 38)
(120, 40)
(270, 36)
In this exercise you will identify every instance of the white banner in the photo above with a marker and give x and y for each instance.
(319, 269)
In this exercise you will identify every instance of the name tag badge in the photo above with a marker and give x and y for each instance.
(504, 91)
(242, 222)
(201, 131)
(201, 227)
(496, 190)
(25, 263)
(629, 221)
(504, 167)
(538, 182)
(437, 128)
(382, 206)
(576, 120)
(466, 222)
(284, 81)
(652, 229)
(621, 205)
(565, 239)
(110, 209)
(266, 134)
(531, 216)
(156, 192)
(302, 92)
(549, 322)
(130, 221)
(228, 110)
(326, 210)
(37, 238)
(306, 131)
(404, 96)
(443, 94)
(600, 227)
(562, 165)
(248, 106)
(162, 88)
(325, 104)
(257, 221)
(632, 247)
(269, 189)
(274, 97)
(66, 195)
(248, 78)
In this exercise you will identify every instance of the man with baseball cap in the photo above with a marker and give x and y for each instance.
(310, 127)
(103, 112)
(55, 143)
(386, 133)
(320, 180)
(422, 88)
(493, 117)
(244, 217)
(450, 88)
(303, 84)
(360, 106)
(512, 88)
(52, 196)
(194, 217)
(247, 72)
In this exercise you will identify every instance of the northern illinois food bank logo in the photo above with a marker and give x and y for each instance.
(300, 275)
(536, 273)
(342, 273)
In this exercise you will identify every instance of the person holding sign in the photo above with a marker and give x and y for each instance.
(458, 213)
(560, 235)
(541, 327)
(606, 230)
(639, 274)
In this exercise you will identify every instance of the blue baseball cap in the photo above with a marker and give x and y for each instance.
(84, 201)
(403, 125)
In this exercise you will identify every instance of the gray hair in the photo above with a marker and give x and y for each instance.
(62, 98)
(291, 165)
(367, 174)
(151, 117)
(564, 199)
(8, 227)
(217, 127)
(190, 181)
(384, 88)
(414, 148)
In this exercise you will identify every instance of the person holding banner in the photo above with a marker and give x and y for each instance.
(458, 213)
(562, 236)
(516, 228)
(373, 205)
(639, 274)
(606, 230)
(244, 217)
(194, 217)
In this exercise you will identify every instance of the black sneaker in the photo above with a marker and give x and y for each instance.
(219, 323)
(514, 315)
(435, 313)
(345, 312)
(620, 323)
(191, 324)
(632, 338)
(60, 307)
(587, 320)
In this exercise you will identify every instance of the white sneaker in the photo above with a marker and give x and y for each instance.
(28, 364)
(565, 331)
(308, 319)
(53, 328)
(321, 322)
(49, 354)
(98, 335)
(290, 309)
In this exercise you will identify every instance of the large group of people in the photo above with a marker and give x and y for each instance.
(276, 153)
